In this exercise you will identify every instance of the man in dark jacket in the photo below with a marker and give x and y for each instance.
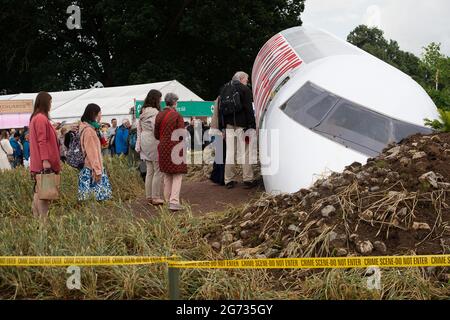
(237, 125)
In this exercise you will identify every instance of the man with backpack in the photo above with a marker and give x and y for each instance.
(236, 115)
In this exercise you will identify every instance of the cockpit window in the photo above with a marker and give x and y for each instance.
(360, 126)
(345, 122)
(309, 105)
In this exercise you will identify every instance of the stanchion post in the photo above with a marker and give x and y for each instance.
(174, 283)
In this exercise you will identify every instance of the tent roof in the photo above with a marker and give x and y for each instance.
(114, 101)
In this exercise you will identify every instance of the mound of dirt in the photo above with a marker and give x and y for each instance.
(395, 204)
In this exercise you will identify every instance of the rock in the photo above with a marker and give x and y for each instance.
(431, 178)
(216, 245)
(366, 215)
(327, 185)
(386, 181)
(381, 172)
(339, 182)
(419, 155)
(328, 210)
(354, 237)
(236, 245)
(341, 252)
(332, 236)
(394, 150)
(393, 176)
(393, 155)
(420, 226)
(271, 252)
(402, 212)
(405, 161)
(380, 246)
(228, 227)
(362, 176)
(374, 189)
(247, 224)
(447, 152)
(364, 247)
(294, 228)
(261, 256)
(227, 237)
(244, 234)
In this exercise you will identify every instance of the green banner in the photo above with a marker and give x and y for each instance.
(185, 108)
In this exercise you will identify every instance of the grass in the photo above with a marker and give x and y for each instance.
(111, 228)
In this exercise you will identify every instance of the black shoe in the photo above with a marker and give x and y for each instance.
(250, 184)
(230, 185)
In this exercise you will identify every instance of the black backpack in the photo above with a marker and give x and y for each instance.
(230, 100)
(75, 156)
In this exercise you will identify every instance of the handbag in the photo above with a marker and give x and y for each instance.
(48, 185)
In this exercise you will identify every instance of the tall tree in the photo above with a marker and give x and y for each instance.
(434, 61)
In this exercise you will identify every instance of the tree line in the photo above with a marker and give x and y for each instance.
(201, 43)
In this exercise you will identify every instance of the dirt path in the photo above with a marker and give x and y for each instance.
(204, 197)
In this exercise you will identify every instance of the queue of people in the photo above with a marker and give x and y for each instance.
(160, 138)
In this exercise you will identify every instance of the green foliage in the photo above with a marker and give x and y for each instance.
(443, 124)
(200, 43)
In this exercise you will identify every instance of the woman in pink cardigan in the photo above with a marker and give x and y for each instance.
(44, 149)
(93, 183)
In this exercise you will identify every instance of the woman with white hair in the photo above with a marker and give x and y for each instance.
(171, 151)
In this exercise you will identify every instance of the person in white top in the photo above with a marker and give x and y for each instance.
(5, 151)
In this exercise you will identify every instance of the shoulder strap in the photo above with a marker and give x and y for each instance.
(6, 153)
(81, 141)
(163, 122)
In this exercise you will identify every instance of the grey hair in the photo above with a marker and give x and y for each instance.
(239, 75)
(171, 99)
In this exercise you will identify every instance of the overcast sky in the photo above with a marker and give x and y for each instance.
(412, 23)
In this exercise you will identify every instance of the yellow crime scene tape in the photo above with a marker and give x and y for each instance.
(42, 261)
(318, 263)
(282, 263)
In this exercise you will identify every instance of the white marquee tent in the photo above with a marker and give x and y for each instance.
(115, 102)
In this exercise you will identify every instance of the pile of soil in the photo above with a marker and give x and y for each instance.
(395, 204)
